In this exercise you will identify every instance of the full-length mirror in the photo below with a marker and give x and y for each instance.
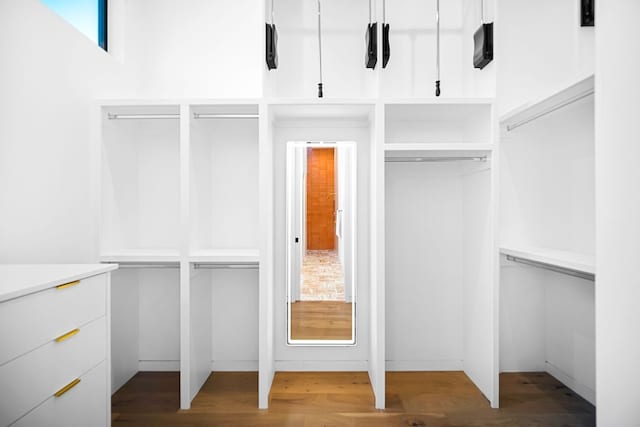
(321, 244)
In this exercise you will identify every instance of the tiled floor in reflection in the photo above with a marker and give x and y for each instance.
(322, 276)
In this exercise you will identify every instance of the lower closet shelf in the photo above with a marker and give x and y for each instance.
(573, 261)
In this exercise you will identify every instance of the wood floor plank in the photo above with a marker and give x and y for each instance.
(321, 320)
(345, 399)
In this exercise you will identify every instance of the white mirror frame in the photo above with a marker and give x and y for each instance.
(352, 170)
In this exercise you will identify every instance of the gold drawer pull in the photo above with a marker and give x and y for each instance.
(68, 285)
(67, 335)
(66, 388)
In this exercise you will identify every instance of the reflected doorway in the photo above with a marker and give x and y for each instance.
(321, 182)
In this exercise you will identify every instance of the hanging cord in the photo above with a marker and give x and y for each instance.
(481, 11)
(272, 20)
(437, 47)
(320, 51)
(384, 11)
(369, 12)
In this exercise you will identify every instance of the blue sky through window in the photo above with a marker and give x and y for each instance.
(85, 15)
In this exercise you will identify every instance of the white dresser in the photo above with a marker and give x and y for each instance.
(55, 345)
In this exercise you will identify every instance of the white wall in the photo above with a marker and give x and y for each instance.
(540, 47)
(195, 48)
(49, 77)
(617, 213)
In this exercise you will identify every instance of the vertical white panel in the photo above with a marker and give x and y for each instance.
(617, 213)
(478, 257)
(185, 273)
(266, 314)
(377, 314)
(124, 326)
(200, 349)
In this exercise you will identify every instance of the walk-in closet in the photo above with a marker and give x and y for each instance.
(319, 212)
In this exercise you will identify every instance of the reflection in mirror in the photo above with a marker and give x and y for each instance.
(321, 213)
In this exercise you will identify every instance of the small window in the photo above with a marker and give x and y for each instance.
(88, 16)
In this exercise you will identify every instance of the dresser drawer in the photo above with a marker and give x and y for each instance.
(83, 405)
(34, 377)
(33, 320)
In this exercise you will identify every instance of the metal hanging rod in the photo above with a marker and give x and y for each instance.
(551, 109)
(228, 266)
(111, 116)
(434, 159)
(146, 264)
(223, 116)
(557, 269)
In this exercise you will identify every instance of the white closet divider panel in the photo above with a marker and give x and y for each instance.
(266, 299)
(201, 329)
(140, 180)
(377, 312)
(480, 281)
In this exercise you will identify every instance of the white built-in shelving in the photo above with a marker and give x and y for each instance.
(178, 194)
(548, 236)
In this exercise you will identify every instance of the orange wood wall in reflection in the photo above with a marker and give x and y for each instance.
(321, 198)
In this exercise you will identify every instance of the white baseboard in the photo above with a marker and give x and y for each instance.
(424, 365)
(159, 365)
(583, 390)
(234, 365)
(322, 365)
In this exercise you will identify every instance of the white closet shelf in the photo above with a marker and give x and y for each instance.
(225, 255)
(140, 255)
(563, 259)
(548, 103)
(438, 146)
(438, 101)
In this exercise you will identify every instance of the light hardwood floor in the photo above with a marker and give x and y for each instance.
(432, 399)
(320, 320)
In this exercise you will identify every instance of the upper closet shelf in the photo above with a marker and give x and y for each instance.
(445, 146)
(229, 256)
(574, 261)
(547, 104)
(141, 256)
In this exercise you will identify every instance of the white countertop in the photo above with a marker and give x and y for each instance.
(17, 280)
